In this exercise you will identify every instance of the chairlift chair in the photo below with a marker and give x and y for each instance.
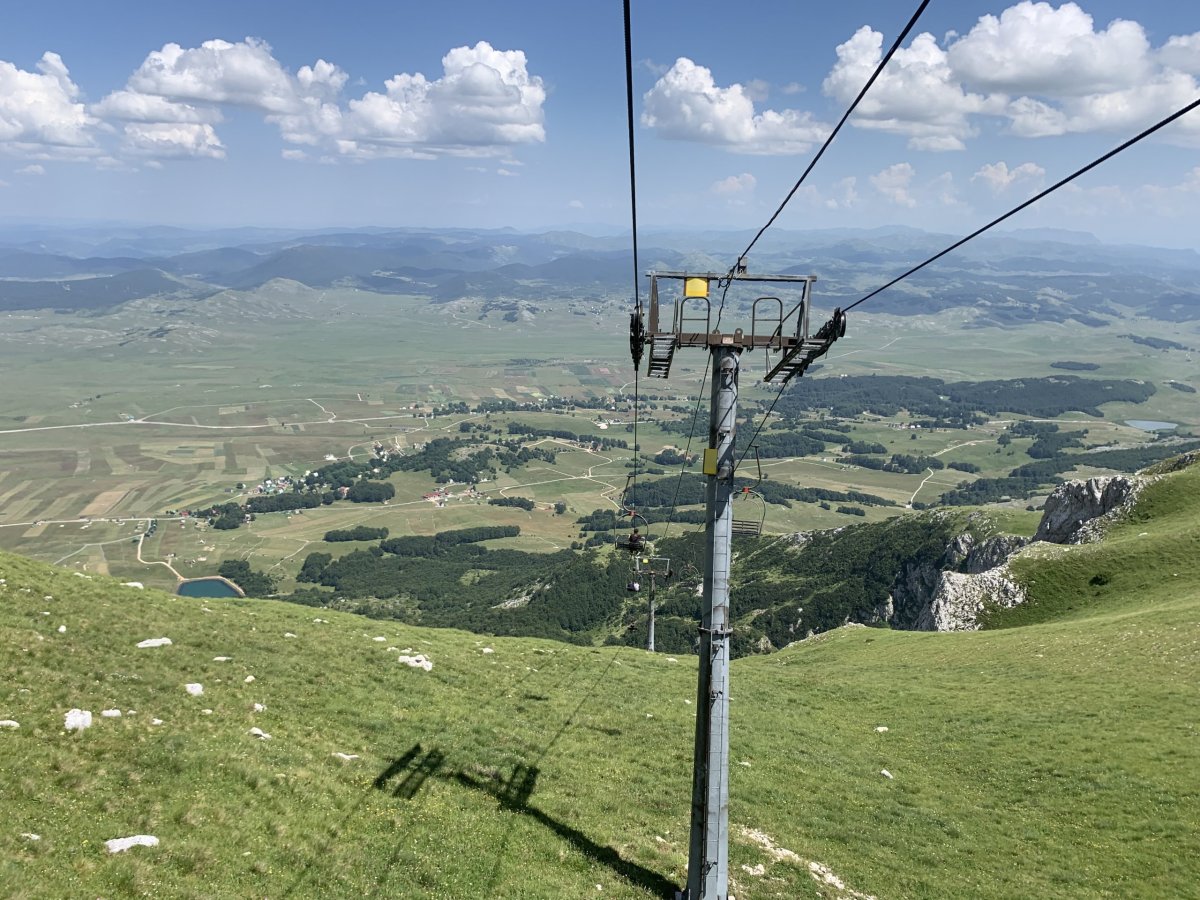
(751, 526)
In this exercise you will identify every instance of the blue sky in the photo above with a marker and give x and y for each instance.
(485, 114)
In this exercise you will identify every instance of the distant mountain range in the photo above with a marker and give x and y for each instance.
(1007, 278)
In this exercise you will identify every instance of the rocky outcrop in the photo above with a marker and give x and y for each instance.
(1076, 504)
(959, 599)
(949, 593)
(917, 583)
(992, 552)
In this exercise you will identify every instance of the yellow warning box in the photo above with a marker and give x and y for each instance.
(695, 287)
(710, 460)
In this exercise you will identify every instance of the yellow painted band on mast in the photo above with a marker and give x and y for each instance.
(695, 287)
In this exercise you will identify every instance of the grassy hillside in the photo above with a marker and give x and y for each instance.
(1057, 759)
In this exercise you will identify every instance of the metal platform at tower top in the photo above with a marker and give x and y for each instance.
(782, 332)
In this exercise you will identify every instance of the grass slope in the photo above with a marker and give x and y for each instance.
(1052, 760)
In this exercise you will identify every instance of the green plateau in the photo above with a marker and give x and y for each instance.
(1052, 754)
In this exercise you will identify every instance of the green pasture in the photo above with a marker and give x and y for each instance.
(253, 385)
(1051, 758)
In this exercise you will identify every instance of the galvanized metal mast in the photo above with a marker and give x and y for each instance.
(708, 851)
(782, 332)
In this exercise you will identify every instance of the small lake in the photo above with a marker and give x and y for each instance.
(206, 587)
(1151, 425)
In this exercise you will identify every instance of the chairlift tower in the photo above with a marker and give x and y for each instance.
(783, 334)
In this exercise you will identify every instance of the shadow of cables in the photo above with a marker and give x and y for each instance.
(514, 795)
(394, 768)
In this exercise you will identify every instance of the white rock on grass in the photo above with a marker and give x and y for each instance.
(9, 723)
(260, 734)
(77, 719)
(155, 642)
(881, 729)
(420, 661)
(134, 584)
(31, 836)
(222, 658)
(488, 650)
(380, 638)
(346, 757)
(62, 629)
(260, 707)
(156, 721)
(288, 634)
(110, 713)
(120, 845)
(249, 679)
(194, 689)
(885, 773)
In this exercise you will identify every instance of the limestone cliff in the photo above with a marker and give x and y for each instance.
(959, 599)
(1072, 510)
(949, 593)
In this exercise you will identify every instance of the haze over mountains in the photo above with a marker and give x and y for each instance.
(1009, 278)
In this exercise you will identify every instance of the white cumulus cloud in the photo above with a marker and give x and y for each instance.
(485, 102)
(1182, 52)
(999, 177)
(894, 183)
(917, 95)
(34, 169)
(735, 184)
(131, 106)
(242, 74)
(686, 104)
(41, 114)
(172, 140)
(1033, 48)
(1037, 69)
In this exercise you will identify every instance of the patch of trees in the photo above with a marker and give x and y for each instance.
(775, 444)
(602, 443)
(225, 517)
(519, 502)
(852, 510)
(961, 402)
(898, 462)
(440, 543)
(253, 583)
(672, 457)
(370, 492)
(1031, 477)
(357, 533)
(689, 490)
(283, 502)
(1156, 343)
(1180, 386)
(314, 565)
(964, 467)
(860, 447)
(447, 461)
(609, 520)
(1048, 440)
(1072, 366)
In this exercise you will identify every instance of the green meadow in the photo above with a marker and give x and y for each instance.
(1054, 756)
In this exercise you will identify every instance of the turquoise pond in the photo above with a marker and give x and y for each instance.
(205, 587)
